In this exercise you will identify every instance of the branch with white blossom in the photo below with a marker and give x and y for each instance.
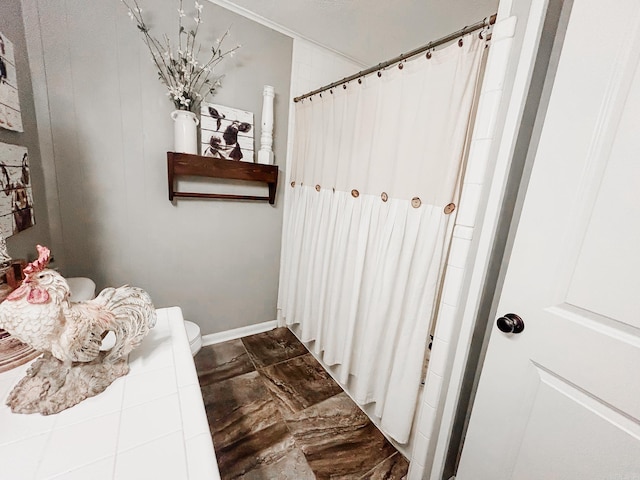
(187, 80)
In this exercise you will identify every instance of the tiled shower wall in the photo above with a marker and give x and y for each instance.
(473, 191)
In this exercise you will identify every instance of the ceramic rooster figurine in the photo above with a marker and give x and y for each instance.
(40, 314)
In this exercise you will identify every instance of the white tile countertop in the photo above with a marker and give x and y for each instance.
(150, 423)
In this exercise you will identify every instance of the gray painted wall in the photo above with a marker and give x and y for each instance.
(22, 245)
(108, 131)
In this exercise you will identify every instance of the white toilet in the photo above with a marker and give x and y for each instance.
(193, 334)
(82, 289)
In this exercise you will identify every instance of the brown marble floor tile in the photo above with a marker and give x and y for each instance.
(273, 346)
(338, 440)
(221, 361)
(393, 468)
(298, 384)
(287, 420)
(238, 407)
(293, 466)
(254, 452)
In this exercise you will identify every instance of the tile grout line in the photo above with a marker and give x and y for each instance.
(282, 361)
(247, 352)
(379, 463)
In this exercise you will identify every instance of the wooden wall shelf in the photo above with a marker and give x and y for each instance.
(184, 164)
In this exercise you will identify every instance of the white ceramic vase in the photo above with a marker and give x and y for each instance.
(185, 133)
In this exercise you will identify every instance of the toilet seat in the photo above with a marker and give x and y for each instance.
(193, 334)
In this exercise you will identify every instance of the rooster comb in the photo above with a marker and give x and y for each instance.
(41, 263)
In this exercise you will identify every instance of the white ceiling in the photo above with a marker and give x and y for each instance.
(369, 31)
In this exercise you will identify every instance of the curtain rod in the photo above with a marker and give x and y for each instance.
(452, 36)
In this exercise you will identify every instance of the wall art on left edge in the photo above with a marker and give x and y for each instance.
(16, 196)
(226, 132)
(10, 117)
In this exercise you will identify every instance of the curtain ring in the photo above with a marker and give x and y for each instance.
(400, 66)
(317, 188)
(460, 42)
(379, 73)
(355, 193)
(360, 80)
(331, 91)
(384, 196)
(293, 184)
(344, 85)
(429, 54)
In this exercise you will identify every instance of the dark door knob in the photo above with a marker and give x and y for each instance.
(510, 323)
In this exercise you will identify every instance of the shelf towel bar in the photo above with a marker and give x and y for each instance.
(184, 164)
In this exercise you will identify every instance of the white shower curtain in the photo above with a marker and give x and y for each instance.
(374, 166)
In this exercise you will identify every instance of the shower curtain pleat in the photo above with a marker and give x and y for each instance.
(365, 235)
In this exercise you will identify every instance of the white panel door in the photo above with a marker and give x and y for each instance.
(561, 399)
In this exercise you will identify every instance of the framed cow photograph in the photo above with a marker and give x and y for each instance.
(226, 133)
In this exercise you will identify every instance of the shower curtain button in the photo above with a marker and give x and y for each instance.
(416, 202)
(355, 193)
(449, 208)
(384, 196)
